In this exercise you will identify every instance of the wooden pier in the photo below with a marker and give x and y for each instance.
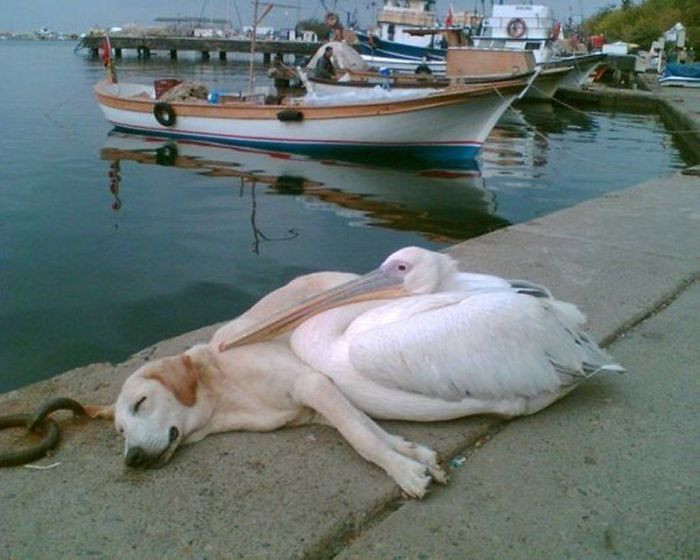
(144, 46)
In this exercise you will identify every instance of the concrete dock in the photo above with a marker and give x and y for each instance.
(147, 45)
(608, 472)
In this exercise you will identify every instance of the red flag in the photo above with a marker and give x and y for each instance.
(106, 51)
(449, 20)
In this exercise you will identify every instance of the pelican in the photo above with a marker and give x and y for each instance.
(416, 339)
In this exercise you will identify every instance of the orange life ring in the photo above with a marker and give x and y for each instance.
(516, 28)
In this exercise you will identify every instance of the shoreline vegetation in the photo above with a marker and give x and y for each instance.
(643, 23)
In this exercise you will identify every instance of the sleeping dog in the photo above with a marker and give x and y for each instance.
(259, 387)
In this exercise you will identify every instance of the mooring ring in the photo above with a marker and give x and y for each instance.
(59, 403)
(29, 454)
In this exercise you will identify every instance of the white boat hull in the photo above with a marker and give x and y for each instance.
(583, 67)
(679, 81)
(453, 123)
(547, 83)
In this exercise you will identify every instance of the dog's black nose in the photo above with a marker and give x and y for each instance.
(174, 432)
(135, 457)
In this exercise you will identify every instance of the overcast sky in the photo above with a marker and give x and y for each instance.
(80, 15)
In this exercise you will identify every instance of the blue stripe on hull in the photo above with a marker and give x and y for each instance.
(424, 152)
(398, 50)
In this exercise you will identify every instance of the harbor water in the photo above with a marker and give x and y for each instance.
(111, 242)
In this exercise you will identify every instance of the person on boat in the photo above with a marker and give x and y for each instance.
(324, 65)
(423, 69)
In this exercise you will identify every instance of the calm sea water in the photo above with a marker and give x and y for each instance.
(109, 243)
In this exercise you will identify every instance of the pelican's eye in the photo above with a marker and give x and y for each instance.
(138, 404)
(398, 268)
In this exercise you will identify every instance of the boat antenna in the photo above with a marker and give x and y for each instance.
(251, 72)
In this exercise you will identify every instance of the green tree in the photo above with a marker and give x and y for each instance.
(643, 23)
(317, 26)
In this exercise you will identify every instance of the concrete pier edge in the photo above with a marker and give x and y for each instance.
(630, 259)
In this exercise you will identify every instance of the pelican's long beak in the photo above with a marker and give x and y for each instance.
(371, 286)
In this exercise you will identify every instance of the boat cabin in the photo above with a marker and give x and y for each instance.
(398, 16)
(520, 27)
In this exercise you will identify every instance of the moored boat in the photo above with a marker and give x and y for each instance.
(517, 27)
(464, 66)
(452, 123)
(681, 75)
(583, 66)
(391, 38)
(532, 27)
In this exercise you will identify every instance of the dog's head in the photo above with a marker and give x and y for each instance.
(157, 408)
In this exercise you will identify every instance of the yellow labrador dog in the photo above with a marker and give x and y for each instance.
(182, 399)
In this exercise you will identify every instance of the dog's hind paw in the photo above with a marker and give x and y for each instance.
(438, 474)
(421, 454)
(413, 477)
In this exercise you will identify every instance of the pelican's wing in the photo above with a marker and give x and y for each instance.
(470, 283)
(492, 345)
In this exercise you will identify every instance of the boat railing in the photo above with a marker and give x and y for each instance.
(535, 28)
(406, 16)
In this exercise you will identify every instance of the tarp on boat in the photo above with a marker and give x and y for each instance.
(375, 94)
(682, 71)
(344, 57)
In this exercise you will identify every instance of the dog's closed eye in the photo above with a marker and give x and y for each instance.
(138, 404)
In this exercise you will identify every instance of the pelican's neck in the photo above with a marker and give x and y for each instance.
(446, 274)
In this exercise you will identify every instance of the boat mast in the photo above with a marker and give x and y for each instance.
(251, 74)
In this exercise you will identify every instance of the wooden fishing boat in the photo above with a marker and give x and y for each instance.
(464, 66)
(517, 27)
(452, 123)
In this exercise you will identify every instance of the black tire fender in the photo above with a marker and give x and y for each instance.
(164, 113)
(290, 115)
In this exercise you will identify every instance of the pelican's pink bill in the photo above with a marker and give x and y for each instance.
(374, 285)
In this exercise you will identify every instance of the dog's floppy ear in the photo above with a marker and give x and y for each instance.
(104, 412)
(181, 380)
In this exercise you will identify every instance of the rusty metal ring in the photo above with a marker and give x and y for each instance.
(29, 454)
(49, 406)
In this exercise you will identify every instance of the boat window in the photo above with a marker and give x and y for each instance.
(391, 31)
(530, 46)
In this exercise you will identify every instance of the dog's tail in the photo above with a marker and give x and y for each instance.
(103, 412)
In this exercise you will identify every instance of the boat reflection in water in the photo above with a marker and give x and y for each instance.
(520, 145)
(444, 205)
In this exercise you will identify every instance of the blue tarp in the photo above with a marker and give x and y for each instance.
(682, 70)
